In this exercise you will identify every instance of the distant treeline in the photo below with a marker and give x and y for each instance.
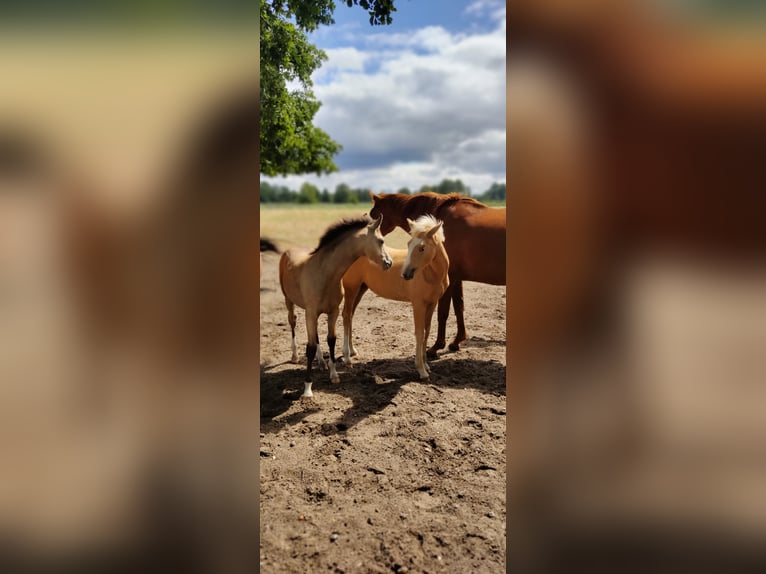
(343, 193)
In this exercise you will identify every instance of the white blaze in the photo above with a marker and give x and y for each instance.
(415, 242)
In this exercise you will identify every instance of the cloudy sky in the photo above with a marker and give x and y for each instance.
(417, 101)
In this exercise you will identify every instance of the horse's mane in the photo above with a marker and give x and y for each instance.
(340, 228)
(424, 224)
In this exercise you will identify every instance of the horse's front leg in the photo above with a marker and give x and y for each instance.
(348, 315)
(457, 305)
(332, 319)
(359, 294)
(428, 316)
(311, 349)
(420, 341)
(443, 313)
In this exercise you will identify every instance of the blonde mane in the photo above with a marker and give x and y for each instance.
(424, 224)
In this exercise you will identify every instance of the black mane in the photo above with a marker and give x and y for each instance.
(340, 228)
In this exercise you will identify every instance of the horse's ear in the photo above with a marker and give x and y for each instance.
(374, 198)
(434, 229)
(410, 223)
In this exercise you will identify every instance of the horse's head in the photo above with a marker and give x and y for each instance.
(375, 247)
(427, 236)
(383, 205)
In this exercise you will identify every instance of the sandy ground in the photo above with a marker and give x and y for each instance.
(382, 472)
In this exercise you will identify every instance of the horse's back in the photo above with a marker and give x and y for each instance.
(388, 284)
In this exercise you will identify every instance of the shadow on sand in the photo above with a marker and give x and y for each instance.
(371, 386)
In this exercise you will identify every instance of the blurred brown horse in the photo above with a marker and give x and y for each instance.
(475, 245)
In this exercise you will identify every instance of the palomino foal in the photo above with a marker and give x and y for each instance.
(420, 275)
(313, 281)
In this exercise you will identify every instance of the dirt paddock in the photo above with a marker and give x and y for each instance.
(382, 472)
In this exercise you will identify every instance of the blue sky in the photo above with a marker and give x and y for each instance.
(417, 101)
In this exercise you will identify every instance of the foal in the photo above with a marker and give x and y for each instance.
(420, 277)
(313, 280)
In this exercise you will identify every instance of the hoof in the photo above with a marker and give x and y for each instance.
(294, 359)
(335, 380)
(425, 378)
(454, 347)
(307, 398)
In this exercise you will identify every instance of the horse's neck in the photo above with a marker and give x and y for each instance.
(343, 256)
(439, 265)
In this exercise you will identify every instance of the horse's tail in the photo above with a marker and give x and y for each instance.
(268, 245)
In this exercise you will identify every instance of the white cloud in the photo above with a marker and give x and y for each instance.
(412, 109)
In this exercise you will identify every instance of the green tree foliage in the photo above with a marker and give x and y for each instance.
(342, 193)
(496, 192)
(405, 191)
(308, 194)
(448, 186)
(290, 143)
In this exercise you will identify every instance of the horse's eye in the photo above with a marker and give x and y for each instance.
(380, 241)
(422, 248)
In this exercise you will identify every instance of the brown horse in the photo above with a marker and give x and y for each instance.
(313, 281)
(476, 247)
(418, 275)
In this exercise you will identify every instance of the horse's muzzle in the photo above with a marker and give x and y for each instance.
(409, 274)
(387, 263)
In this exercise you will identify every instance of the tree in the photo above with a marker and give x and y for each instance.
(308, 194)
(324, 197)
(495, 192)
(405, 191)
(290, 143)
(342, 193)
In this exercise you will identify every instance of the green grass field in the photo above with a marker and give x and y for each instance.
(296, 225)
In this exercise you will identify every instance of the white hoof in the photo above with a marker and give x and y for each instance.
(294, 359)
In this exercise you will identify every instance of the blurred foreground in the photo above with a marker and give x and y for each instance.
(637, 164)
(129, 301)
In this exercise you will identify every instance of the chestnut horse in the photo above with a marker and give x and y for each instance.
(313, 281)
(476, 250)
(419, 275)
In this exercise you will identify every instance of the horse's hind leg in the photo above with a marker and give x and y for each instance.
(291, 319)
(442, 314)
(457, 304)
(332, 319)
(320, 355)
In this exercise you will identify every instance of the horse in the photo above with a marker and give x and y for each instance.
(476, 252)
(267, 245)
(421, 277)
(312, 280)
